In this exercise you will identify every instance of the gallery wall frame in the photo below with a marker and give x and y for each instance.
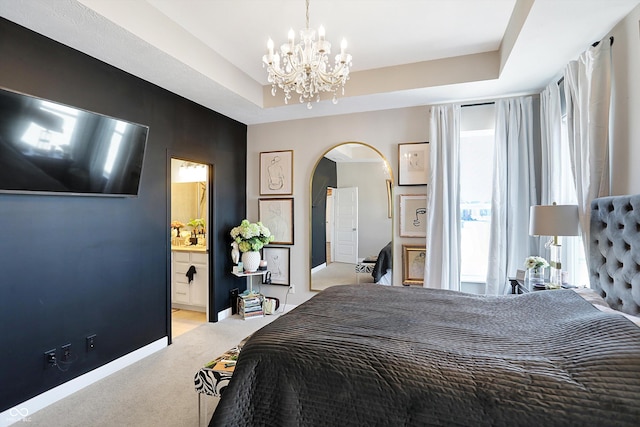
(413, 260)
(413, 163)
(389, 184)
(276, 173)
(413, 215)
(277, 215)
(278, 264)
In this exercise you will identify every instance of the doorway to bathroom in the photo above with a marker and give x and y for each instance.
(189, 234)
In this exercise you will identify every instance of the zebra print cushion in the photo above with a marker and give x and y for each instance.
(212, 382)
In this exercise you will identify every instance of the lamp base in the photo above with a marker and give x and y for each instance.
(555, 270)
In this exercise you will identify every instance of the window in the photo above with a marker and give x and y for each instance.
(476, 175)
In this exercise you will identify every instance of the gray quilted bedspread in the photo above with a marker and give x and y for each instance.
(368, 355)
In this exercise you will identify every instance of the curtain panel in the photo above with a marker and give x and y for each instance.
(588, 95)
(514, 191)
(442, 264)
(557, 183)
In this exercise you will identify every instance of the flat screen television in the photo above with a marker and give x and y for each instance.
(50, 148)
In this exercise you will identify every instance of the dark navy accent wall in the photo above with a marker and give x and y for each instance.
(324, 176)
(71, 266)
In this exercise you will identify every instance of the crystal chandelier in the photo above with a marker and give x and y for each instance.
(304, 68)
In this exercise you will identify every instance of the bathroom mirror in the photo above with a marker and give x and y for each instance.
(189, 198)
(351, 216)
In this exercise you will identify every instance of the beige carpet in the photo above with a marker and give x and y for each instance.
(156, 391)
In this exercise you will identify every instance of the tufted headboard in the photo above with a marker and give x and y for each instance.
(614, 251)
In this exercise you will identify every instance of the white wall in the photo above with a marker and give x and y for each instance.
(625, 142)
(310, 139)
(385, 129)
(374, 224)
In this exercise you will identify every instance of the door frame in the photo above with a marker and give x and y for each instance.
(212, 315)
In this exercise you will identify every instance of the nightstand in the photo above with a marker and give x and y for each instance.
(519, 286)
(250, 303)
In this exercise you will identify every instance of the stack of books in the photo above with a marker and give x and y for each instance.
(251, 306)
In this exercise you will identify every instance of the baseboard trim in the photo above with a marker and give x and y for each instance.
(318, 267)
(24, 410)
(224, 314)
(189, 307)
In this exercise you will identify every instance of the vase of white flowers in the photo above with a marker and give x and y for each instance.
(535, 265)
(251, 237)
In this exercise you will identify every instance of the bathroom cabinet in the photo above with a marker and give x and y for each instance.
(184, 294)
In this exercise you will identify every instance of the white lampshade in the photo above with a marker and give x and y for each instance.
(553, 220)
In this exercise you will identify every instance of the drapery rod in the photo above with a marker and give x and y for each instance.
(593, 45)
(477, 105)
(559, 81)
(598, 42)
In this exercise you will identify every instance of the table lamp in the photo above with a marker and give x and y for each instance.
(554, 220)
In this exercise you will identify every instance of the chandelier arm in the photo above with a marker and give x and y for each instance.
(285, 82)
(331, 77)
(289, 77)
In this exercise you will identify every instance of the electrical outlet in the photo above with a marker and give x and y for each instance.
(50, 358)
(66, 353)
(91, 343)
(291, 289)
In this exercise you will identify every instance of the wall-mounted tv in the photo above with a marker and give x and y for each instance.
(50, 148)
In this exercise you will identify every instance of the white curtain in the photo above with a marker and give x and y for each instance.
(513, 192)
(442, 264)
(588, 96)
(556, 180)
(552, 171)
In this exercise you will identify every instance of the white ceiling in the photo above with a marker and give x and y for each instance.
(405, 52)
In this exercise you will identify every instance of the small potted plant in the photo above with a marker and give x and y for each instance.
(198, 225)
(175, 231)
(177, 225)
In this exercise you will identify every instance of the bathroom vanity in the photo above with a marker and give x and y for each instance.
(185, 294)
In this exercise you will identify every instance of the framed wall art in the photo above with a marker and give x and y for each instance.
(276, 173)
(389, 198)
(413, 259)
(277, 264)
(413, 215)
(277, 216)
(413, 163)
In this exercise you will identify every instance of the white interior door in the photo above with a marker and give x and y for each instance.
(329, 226)
(345, 202)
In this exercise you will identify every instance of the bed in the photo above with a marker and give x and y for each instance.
(382, 273)
(378, 266)
(378, 355)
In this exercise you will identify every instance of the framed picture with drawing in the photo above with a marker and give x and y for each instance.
(277, 216)
(413, 259)
(277, 264)
(413, 215)
(413, 163)
(276, 173)
(389, 200)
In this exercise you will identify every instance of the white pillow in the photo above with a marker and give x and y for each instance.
(598, 302)
(592, 296)
(634, 319)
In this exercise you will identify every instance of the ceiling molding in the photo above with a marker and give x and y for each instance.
(209, 52)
